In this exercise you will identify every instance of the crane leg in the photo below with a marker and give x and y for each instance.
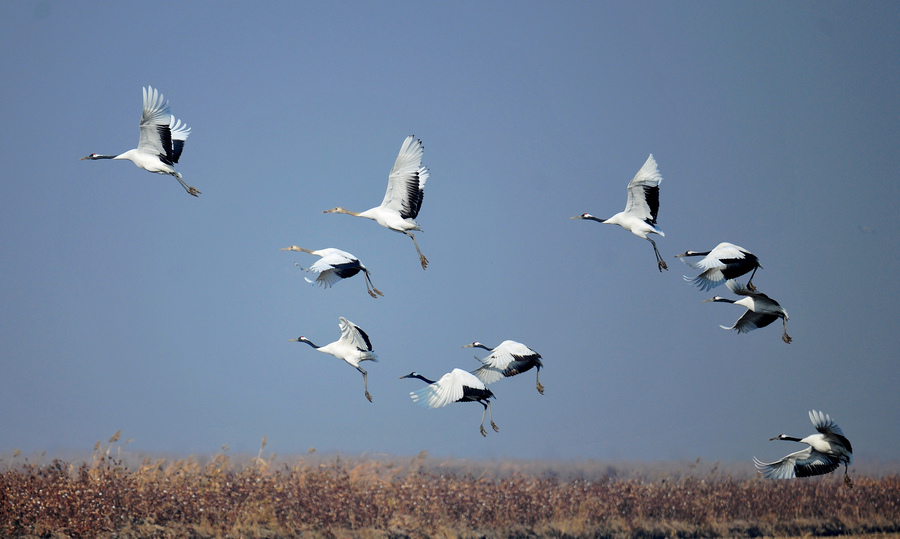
(750, 286)
(540, 386)
(491, 413)
(483, 432)
(372, 291)
(422, 259)
(365, 382)
(784, 336)
(191, 190)
(659, 261)
(847, 480)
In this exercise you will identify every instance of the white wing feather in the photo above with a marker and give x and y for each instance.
(404, 180)
(446, 390)
(647, 176)
(155, 115)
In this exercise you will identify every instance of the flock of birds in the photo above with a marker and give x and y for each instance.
(160, 145)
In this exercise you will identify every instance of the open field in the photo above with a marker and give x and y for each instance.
(316, 496)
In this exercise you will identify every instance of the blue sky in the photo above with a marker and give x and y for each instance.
(128, 304)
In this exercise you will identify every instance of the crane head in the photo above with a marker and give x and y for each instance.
(413, 374)
(582, 216)
(780, 437)
(475, 344)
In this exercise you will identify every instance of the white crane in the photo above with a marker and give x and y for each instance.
(726, 261)
(353, 347)
(761, 310)
(403, 199)
(508, 359)
(827, 450)
(334, 266)
(455, 386)
(162, 140)
(639, 216)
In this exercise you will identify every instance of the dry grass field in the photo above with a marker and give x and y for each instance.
(369, 497)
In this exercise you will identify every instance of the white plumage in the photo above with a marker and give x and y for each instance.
(334, 266)
(161, 142)
(455, 386)
(761, 310)
(827, 450)
(353, 347)
(508, 359)
(403, 198)
(641, 209)
(726, 261)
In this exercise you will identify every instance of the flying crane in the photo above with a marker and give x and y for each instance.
(162, 140)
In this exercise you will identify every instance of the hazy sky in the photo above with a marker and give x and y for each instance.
(127, 304)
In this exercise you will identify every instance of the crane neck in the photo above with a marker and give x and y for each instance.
(420, 377)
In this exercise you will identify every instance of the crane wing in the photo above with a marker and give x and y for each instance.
(508, 359)
(752, 320)
(643, 193)
(742, 290)
(179, 132)
(156, 138)
(449, 388)
(406, 182)
(827, 426)
(804, 463)
(721, 255)
(354, 336)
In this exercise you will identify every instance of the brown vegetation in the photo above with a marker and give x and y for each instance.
(374, 498)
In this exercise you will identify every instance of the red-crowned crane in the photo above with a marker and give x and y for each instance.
(334, 266)
(725, 261)
(761, 310)
(639, 216)
(403, 199)
(827, 450)
(353, 347)
(455, 386)
(162, 140)
(508, 359)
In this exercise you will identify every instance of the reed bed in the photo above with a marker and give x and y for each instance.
(374, 498)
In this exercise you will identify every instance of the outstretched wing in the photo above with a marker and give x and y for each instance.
(751, 320)
(449, 388)
(643, 193)
(804, 463)
(508, 359)
(354, 336)
(726, 261)
(827, 426)
(156, 138)
(179, 132)
(406, 182)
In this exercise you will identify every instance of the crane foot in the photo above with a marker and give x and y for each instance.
(193, 191)
(483, 432)
(540, 388)
(787, 338)
(495, 427)
(662, 265)
(368, 396)
(423, 261)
